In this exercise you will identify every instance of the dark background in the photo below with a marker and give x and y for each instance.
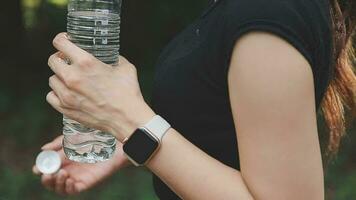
(27, 121)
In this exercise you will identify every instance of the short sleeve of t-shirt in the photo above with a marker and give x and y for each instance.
(289, 20)
(302, 23)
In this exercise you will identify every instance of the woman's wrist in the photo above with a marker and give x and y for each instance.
(139, 115)
(120, 159)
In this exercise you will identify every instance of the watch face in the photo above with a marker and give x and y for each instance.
(140, 146)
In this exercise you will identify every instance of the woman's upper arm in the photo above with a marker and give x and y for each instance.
(272, 98)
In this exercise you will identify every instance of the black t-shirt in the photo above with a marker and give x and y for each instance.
(190, 88)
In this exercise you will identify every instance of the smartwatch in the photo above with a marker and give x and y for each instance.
(145, 141)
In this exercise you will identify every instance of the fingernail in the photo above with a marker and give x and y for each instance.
(66, 36)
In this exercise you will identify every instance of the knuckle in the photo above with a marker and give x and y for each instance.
(85, 61)
(130, 68)
(73, 115)
(51, 79)
(67, 99)
(72, 80)
(64, 73)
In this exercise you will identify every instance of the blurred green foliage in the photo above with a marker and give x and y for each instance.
(27, 122)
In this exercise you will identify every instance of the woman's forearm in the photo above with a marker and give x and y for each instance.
(187, 170)
(193, 174)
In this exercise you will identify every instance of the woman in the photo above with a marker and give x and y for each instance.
(240, 88)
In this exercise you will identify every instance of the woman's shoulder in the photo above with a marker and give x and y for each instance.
(303, 23)
(308, 11)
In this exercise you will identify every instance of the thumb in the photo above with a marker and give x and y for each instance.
(55, 145)
(64, 158)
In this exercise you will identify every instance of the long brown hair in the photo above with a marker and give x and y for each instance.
(341, 93)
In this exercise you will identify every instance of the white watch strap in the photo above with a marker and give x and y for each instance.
(157, 126)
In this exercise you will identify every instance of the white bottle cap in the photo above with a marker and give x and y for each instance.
(48, 162)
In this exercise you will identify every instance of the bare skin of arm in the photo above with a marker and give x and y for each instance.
(272, 99)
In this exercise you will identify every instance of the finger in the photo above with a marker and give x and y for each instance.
(70, 50)
(54, 101)
(76, 115)
(55, 145)
(58, 65)
(60, 89)
(35, 170)
(61, 178)
(70, 186)
(63, 157)
(48, 181)
(79, 187)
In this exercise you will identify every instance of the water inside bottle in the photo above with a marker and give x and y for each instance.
(97, 32)
(86, 145)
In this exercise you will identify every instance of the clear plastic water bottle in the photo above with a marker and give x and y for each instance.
(93, 25)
